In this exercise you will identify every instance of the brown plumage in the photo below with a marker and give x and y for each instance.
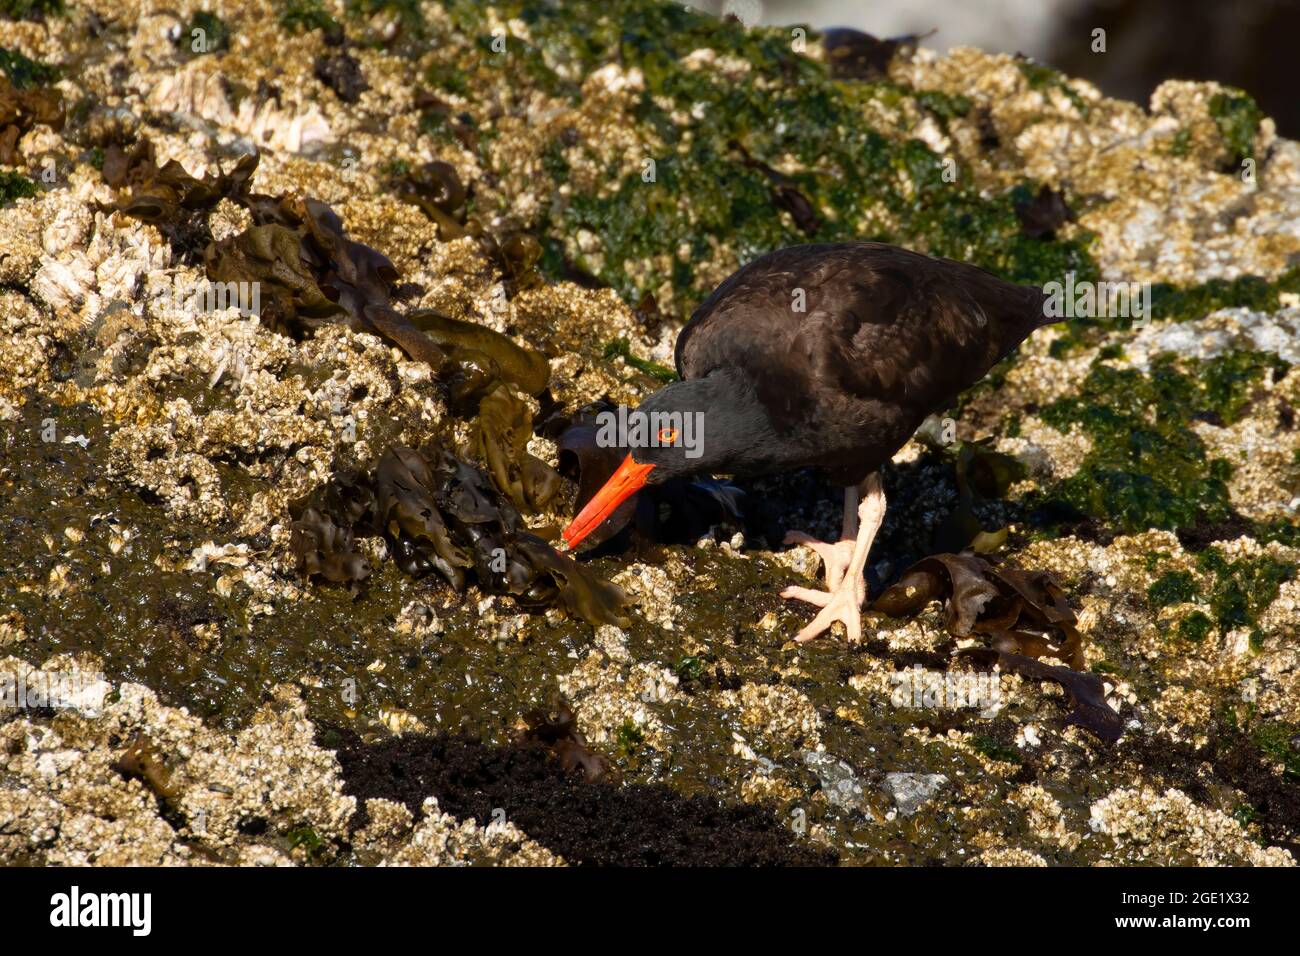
(888, 336)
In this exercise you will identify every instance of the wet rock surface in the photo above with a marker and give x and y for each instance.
(220, 521)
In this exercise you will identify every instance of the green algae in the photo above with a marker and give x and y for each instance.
(1243, 588)
(989, 747)
(31, 9)
(23, 72)
(15, 186)
(305, 16)
(1181, 144)
(1147, 467)
(712, 187)
(407, 11)
(1280, 742)
(1239, 592)
(619, 348)
(1196, 626)
(1044, 79)
(1238, 118)
(1256, 293)
(1176, 587)
(1182, 303)
(210, 29)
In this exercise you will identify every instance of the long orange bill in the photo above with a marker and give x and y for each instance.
(622, 485)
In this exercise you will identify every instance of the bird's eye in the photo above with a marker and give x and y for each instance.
(667, 436)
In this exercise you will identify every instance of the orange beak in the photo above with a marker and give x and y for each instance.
(622, 485)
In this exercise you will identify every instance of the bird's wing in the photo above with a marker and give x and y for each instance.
(879, 323)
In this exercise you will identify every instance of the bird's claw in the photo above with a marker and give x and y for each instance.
(843, 604)
(835, 557)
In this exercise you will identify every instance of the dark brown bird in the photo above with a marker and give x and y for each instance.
(827, 355)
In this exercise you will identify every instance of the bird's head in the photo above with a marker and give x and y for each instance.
(698, 426)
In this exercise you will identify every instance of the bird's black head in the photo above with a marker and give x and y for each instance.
(707, 425)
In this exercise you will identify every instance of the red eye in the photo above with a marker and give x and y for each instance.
(667, 436)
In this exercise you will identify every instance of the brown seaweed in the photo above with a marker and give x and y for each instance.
(298, 250)
(441, 513)
(142, 761)
(164, 194)
(437, 190)
(326, 549)
(785, 193)
(1022, 612)
(341, 72)
(520, 366)
(1044, 214)
(576, 587)
(1087, 691)
(982, 474)
(505, 425)
(1024, 615)
(852, 54)
(20, 111)
(557, 728)
(307, 269)
(406, 510)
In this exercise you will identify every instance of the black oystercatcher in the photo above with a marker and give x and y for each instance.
(826, 355)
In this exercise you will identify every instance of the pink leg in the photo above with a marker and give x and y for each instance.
(845, 561)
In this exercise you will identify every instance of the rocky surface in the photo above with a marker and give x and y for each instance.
(150, 452)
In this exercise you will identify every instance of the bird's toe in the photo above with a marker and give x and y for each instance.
(810, 595)
(843, 604)
(835, 556)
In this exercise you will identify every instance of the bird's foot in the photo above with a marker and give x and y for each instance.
(835, 557)
(846, 590)
(843, 603)
(842, 599)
